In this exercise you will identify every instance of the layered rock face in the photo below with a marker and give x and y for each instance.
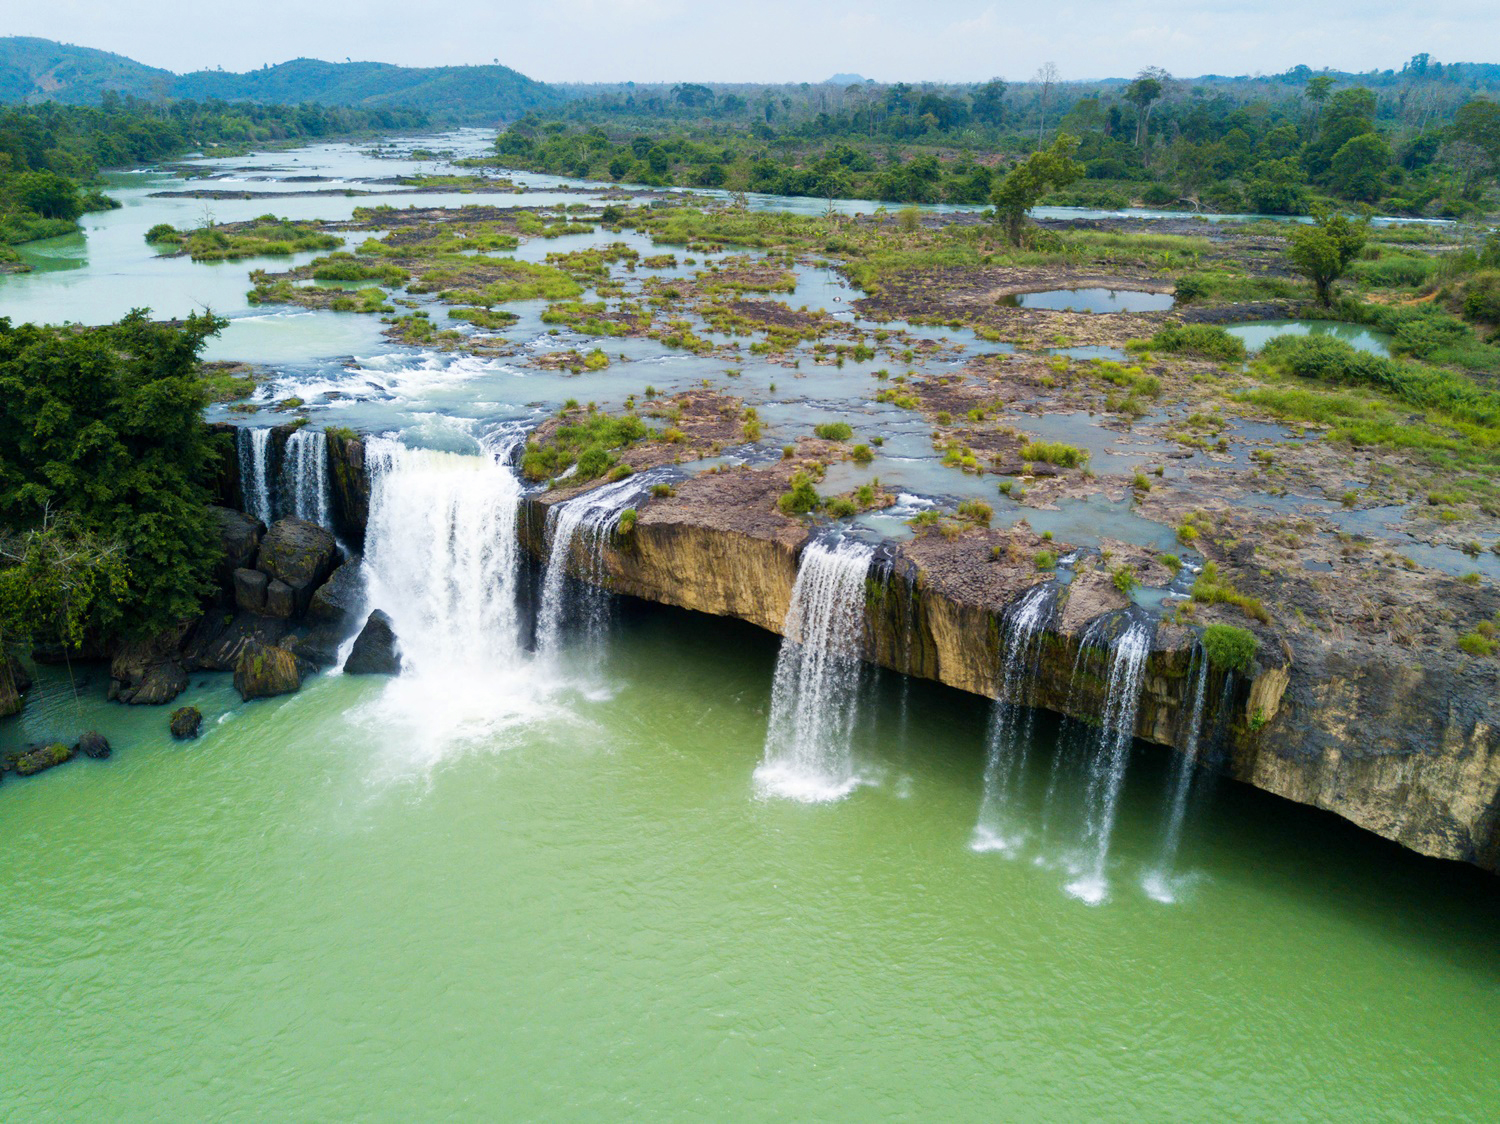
(1409, 752)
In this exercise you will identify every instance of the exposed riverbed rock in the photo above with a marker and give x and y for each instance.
(264, 671)
(41, 758)
(341, 596)
(349, 487)
(375, 650)
(299, 554)
(239, 541)
(250, 590)
(186, 722)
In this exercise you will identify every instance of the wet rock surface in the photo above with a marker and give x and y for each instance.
(376, 650)
(265, 671)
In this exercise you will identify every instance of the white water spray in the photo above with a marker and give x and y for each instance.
(254, 449)
(1127, 665)
(579, 526)
(442, 557)
(1157, 882)
(304, 470)
(1011, 721)
(815, 694)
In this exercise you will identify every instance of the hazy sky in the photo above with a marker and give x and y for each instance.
(777, 40)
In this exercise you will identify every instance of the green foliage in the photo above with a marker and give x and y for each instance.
(1045, 560)
(1054, 452)
(802, 497)
(267, 236)
(627, 521)
(834, 431)
(1211, 589)
(1207, 341)
(589, 443)
(55, 579)
(1322, 252)
(105, 426)
(163, 234)
(1229, 647)
(1124, 580)
(1025, 184)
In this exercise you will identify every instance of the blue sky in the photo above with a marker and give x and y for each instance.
(777, 40)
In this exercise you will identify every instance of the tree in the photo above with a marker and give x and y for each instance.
(104, 426)
(1359, 167)
(1046, 75)
(1026, 183)
(54, 578)
(1319, 86)
(989, 102)
(1143, 93)
(1322, 252)
(50, 195)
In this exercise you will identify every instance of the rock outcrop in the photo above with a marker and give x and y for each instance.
(349, 488)
(375, 650)
(150, 672)
(186, 722)
(299, 554)
(265, 671)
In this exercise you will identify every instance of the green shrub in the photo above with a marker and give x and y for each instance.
(163, 234)
(627, 521)
(976, 511)
(834, 431)
(1205, 340)
(1229, 647)
(802, 498)
(1054, 452)
(841, 507)
(1044, 560)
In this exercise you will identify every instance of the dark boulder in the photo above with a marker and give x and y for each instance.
(218, 639)
(299, 553)
(150, 672)
(375, 651)
(264, 671)
(250, 590)
(239, 541)
(349, 487)
(42, 757)
(341, 596)
(93, 744)
(281, 601)
(186, 722)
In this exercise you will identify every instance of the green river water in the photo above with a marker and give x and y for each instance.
(552, 892)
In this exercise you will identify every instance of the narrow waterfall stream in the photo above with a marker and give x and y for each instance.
(581, 526)
(254, 448)
(1127, 654)
(815, 694)
(304, 474)
(1012, 719)
(1158, 881)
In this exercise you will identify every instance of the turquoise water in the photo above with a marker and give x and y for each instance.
(551, 891)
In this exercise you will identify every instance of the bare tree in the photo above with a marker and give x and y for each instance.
(1046, 75)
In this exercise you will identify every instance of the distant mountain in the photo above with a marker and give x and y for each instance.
(844, 80)
(33, 70)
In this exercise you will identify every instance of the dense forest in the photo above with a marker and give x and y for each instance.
(33, 70)
(1421, 141)
(50, 154)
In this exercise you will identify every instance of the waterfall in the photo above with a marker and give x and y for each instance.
(815, 693)
(442, 554)
(443, 559)
(304, 471)
(254, 448)
(581, 525)
(1157, 882)
(1127, 665)
(1012, 718)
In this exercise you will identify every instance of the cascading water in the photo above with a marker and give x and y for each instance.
(1157, 882)
(254, 449)
(580, 526)
(1127, 664)
(304, 471)
(815, 694)
(443, 559)
(1012, 719)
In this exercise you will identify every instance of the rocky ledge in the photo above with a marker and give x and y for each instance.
(1403, 744)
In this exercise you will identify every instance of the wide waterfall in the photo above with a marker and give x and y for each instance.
(580, 527)
(443, 559)
(1012, 719)
(1157, 882)
(253, 446)
(815, 694)
(304, 473)
(1127, 654)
